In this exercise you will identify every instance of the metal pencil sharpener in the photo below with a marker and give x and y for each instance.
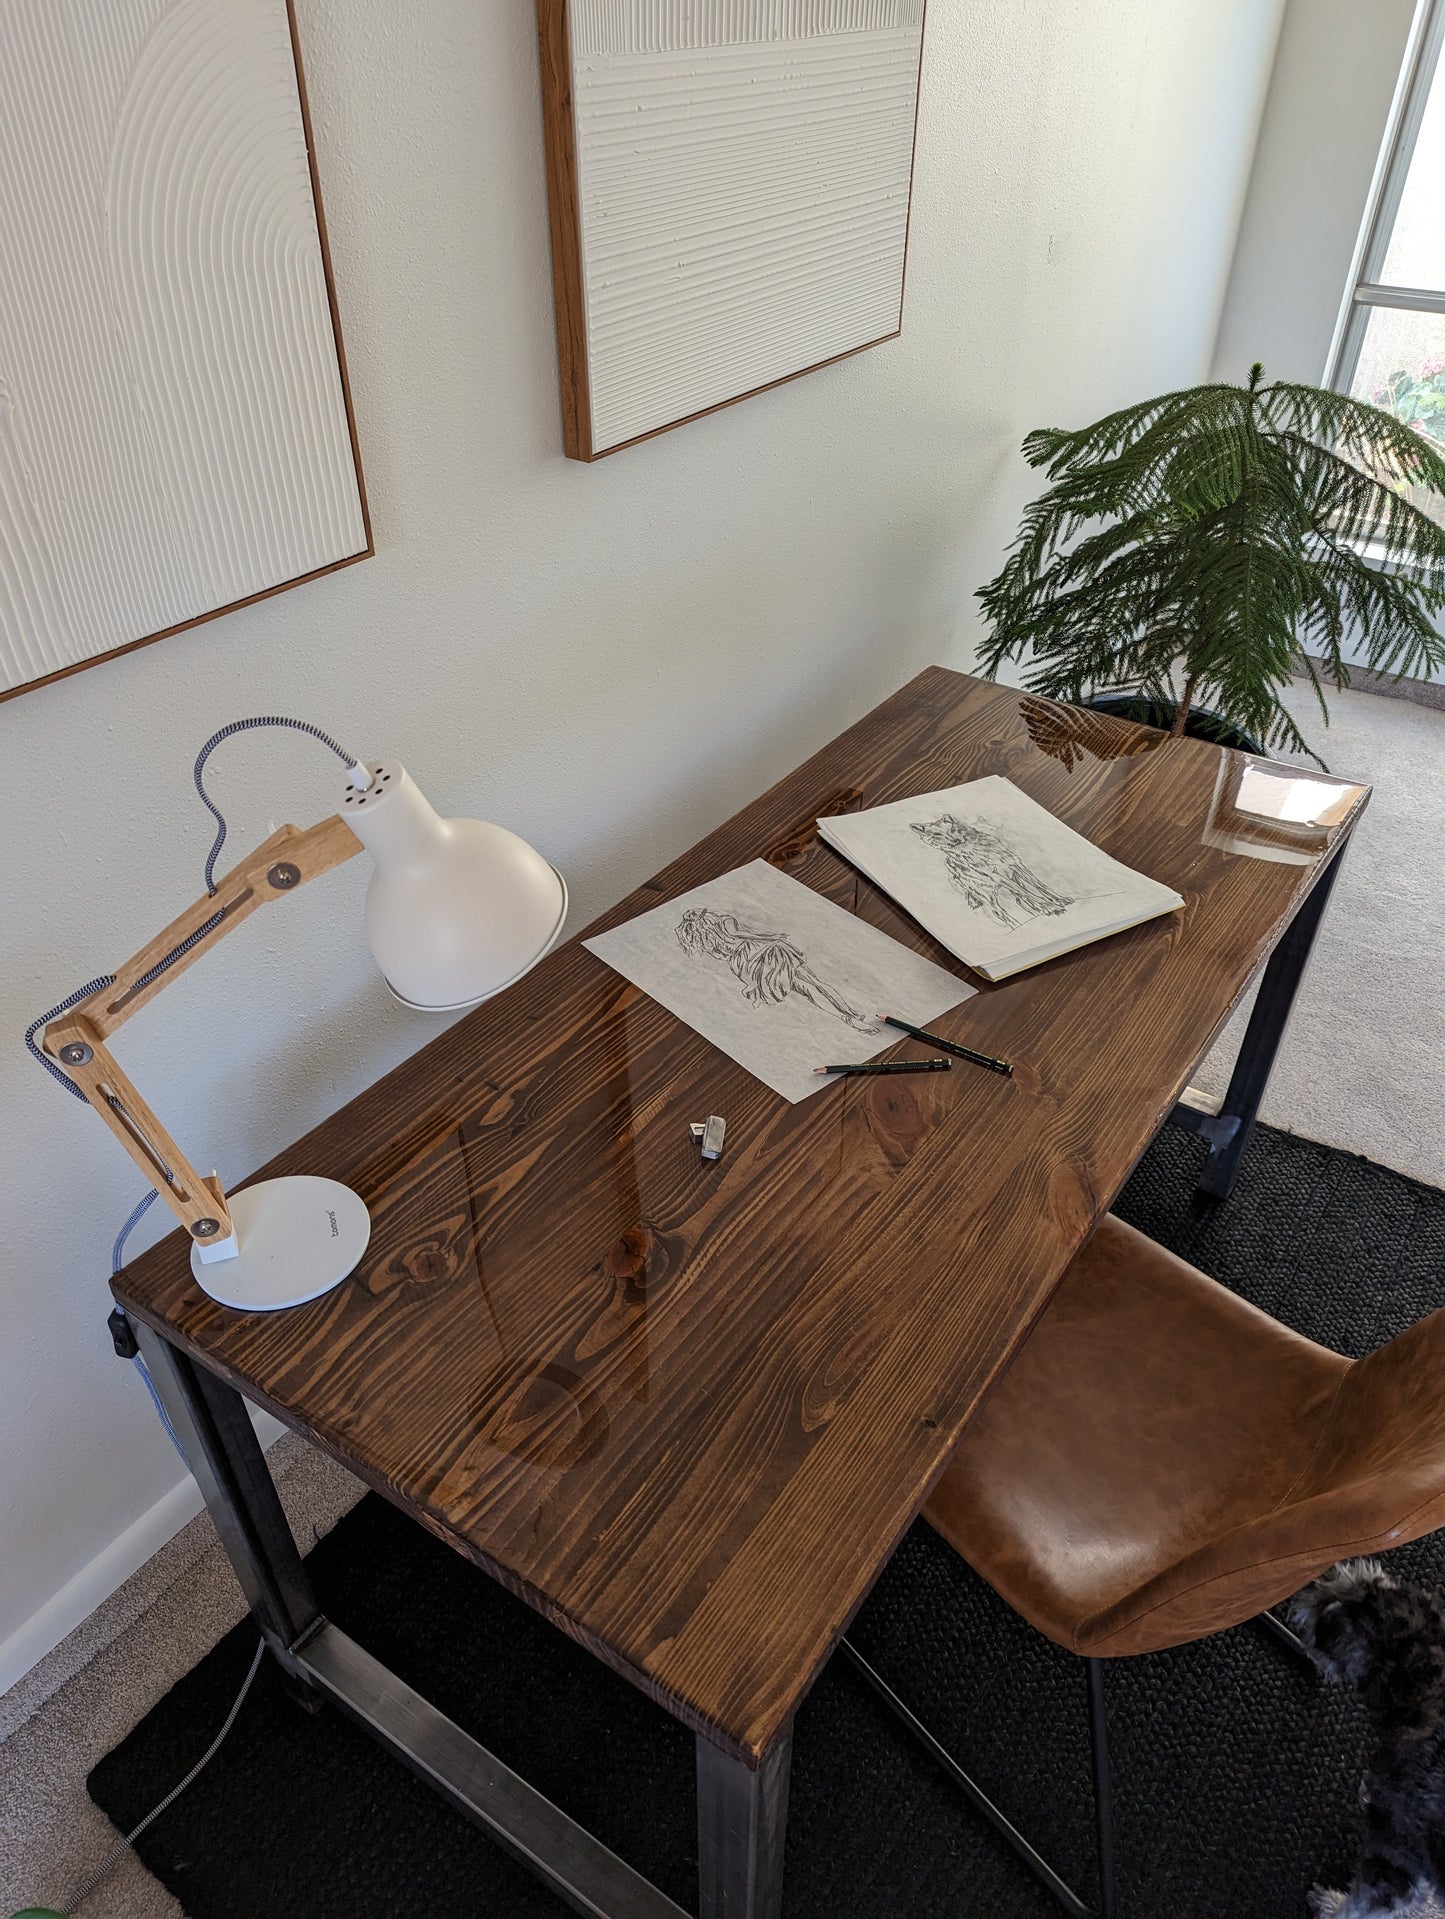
(709, 1135)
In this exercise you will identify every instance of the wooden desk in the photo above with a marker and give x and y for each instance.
(687, 1410)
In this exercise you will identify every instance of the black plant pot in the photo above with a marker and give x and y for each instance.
(1202, 724)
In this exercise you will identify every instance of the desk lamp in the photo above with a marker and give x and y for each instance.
(456, 910)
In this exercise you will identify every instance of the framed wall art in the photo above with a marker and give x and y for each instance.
(176, 435)
(729, 183)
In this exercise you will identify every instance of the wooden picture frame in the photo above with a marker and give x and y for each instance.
(760, 279)
(276, 19)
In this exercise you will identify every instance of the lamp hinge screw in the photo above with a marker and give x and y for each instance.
(283, 874)
(77, 1053)
(205, 1228)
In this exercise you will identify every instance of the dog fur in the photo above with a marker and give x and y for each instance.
(1386, 1640)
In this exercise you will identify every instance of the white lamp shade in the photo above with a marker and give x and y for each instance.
(456, 909)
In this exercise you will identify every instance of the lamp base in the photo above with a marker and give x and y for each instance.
(298, 1238)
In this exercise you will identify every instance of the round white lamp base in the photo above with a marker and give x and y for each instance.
(298, 1238)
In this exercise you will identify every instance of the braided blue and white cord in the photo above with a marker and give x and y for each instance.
(92, 1879)
(246, 726)
(39, 1025)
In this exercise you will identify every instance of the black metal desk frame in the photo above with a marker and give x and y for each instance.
(742, 1814)
(1228, 1130)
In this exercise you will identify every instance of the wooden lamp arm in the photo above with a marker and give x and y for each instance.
(198, 1203)
(278, 866)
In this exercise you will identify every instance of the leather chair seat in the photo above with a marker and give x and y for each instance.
(1132, 1480)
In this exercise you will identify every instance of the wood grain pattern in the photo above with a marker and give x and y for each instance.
(687, 1410)
(194, 1198)
(560, 142)
(273, 870)
(306, 853)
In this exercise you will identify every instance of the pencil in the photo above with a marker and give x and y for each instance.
(890, 1066)
(960, 1052)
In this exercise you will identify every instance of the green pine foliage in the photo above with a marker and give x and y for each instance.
(1199, 547)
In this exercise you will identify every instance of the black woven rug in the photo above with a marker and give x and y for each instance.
(1235, 1773)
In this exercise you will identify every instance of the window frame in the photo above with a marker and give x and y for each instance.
(1366, 291)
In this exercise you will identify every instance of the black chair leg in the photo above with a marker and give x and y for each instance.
(1103, 1789)
(1277, 1629)
(980, 1801)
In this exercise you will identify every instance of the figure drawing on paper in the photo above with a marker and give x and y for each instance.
(989, 873)
(768, 967)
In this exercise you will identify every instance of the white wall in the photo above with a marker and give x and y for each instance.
(1324, 119)
(607, 658)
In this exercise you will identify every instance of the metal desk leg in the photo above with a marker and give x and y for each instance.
(214, 1429)
(1228, 1130)
(743, 1827)
(742, 1819)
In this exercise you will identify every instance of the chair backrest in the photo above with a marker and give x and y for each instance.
(1380, 1462)
(1372, 1476)
(1369, 1475)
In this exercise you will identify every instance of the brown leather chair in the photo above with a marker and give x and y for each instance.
(1163, 1460)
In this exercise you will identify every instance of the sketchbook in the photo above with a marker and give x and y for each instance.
(994, 876)
(781, 979)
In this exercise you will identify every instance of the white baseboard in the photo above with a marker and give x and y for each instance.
(78, 1598)
(1201, 1101)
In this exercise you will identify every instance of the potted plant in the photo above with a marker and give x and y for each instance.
(1194, 551)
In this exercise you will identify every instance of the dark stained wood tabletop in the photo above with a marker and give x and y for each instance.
(686, 1409)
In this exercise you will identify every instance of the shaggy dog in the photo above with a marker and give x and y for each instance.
(1387, 1640)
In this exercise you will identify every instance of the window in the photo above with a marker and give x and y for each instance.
(1390, 343)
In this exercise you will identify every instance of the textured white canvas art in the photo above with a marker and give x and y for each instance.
(174, 434)
(781, 979)
(742, 180)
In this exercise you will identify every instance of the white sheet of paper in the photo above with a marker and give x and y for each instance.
(778, 977)
(1035, 881)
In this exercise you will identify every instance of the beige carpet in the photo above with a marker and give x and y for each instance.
(103, 1679)
(1363, 1060)
(1362, 1067)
